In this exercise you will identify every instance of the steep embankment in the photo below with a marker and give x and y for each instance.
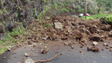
(12, 12)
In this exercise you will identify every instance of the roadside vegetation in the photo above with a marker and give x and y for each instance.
(98, 16)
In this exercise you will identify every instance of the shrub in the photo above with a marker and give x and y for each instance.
(64, 10)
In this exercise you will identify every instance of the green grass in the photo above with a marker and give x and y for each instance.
(10, 40)
(3, 50)
(64, 10)
(96, 16)
(1, 12)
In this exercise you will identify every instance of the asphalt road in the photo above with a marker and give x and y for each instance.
(68, 55)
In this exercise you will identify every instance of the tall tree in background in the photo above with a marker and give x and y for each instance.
(85, 8)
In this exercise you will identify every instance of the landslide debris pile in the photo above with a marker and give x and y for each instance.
(68, 28)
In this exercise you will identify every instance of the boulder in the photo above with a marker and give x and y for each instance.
(58, 25)
(95, 37)
(93, 29)
(9, 26)
(95, 49)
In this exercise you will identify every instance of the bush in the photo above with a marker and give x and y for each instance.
(64, 10)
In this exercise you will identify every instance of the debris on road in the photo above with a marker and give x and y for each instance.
(95, 43)
(93, 48)
(4, 57)
(29, 60)
(105, 44)
(44, 50)
(27, 54)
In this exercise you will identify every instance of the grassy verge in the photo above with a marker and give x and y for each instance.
(10, 40)
(96, 16)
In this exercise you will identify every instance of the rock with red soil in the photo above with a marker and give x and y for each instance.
(52, 36)
(44, 50)
(110, 34)
(93, 29)
(95, 49)
(105, 27)
(95, 37)
(83, 39)
(78, 35)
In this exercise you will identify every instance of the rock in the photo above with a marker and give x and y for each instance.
(8, 49)
(4, 57)
(95, 49)
(66, 44)
(29, 60)
(58, 25)
(107, 47)
(29, 43)
(110, 34)
(1, 29)
(95, 43)
(78, 35)
(34, 44)
(80, 51)
(70, 44)
(93, 29)
(105, 27)
(44, 50)
(105, 44)
(52, 36)
(72, 47)
(95, 37)
(110, 46)
(110, 50)
(83, 39)
(88, 49)
(27, 54)
(100, 31)
(9, 25)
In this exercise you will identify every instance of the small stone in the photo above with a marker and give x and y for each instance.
(110, 50)
(95, 49)
(88, 49)
(29, 43)
(102, 49)
(34, 45)
(80, 51)
(9, 49)
(27, 54)
(44, 50)
(66, 44)
(4, 57)
(70, 44)
(81, 46)
(72, 47)
(105, 44)
(107, 47)
(110, 46)
(29, 60)
(95, 43)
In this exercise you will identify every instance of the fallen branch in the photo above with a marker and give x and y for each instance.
(47, 59)
(41, 60)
